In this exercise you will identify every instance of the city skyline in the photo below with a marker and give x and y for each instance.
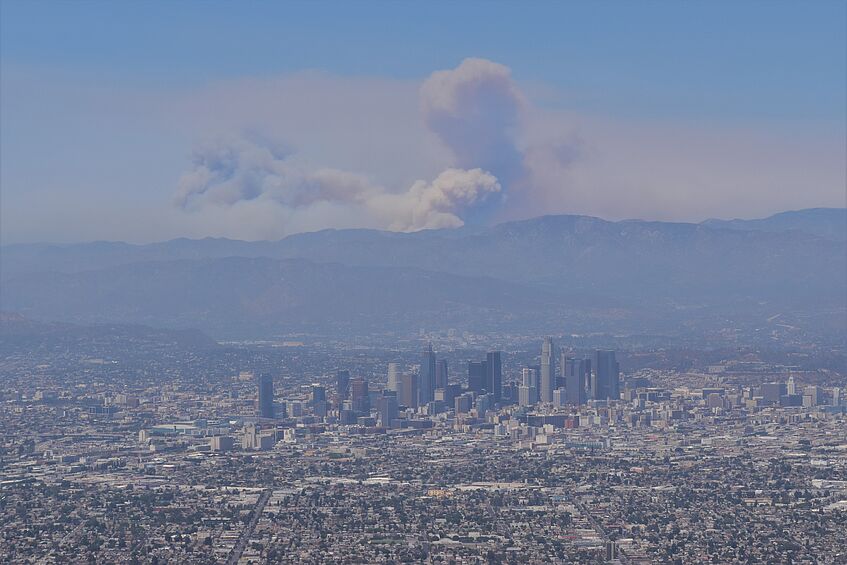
(475, 281)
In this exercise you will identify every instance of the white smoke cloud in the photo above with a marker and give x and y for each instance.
(244, 174)
(475, 110)
(437, 204)
(483, 117)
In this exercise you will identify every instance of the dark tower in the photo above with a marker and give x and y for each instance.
(441, 376)
(606, 382)
(266, 395)
(427, 377)
(477, 373)
(494, 375)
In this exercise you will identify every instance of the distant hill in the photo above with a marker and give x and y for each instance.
(256, 296)
(830, 223)
(551, 271)
(21, 334)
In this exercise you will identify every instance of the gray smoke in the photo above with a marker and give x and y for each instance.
(240, 170)
(475, 110)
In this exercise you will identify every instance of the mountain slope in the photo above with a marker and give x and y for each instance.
(830, 223)
(551, 271)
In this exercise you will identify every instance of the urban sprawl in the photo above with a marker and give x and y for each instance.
(302, 453)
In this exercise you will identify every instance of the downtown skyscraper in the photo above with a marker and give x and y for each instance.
(426, 382)
(266, 395)
(574, 370)
(441, 374)
(477, 376)
(605, 381)
(548, 370)
(494, 375)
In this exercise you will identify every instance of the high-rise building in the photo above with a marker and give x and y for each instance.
(791, 386)
(548, 370)
(409, 390)
(427, 376)
(359, 395)
(812, 396)
(527, 395)
(318, 393)
(494, 375)
(447, 394)
(342, 385)
(483, 404)
(575, 381)
(605, 383)
(266, 395)
(387, 408)
(528, 391)
(393, 377)
(477, 375)
(772, 392)
(560, 397)
(441, 376)
(249, 439)
(463, 403)
(529, 377)
(318, 400)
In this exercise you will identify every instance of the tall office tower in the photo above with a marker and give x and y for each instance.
(441, 376)
(483, 404)
(266, 395)
(451, 392)
(812, 396)
(342, 385)
(527, 395)
(409, 390)
(427, 378)
(836, 396)
(463, 402)
(494, 375)
(548, 370)
(529, 377)
(359, 395)
(586, 376)
(575, 381)
(605, 384)
(563, 361)
(393, 377)
(560, 397)
(386, 406)
(318, 393)
(477, 374)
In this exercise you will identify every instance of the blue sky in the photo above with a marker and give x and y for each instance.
(78, 78)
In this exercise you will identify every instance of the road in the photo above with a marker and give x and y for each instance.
(598, 527)
(241, 544)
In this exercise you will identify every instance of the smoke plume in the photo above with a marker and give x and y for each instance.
(240, 170)
(474, 109)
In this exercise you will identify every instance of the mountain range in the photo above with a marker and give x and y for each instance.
(545, 273)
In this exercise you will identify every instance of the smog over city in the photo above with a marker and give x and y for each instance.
(423, 282)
